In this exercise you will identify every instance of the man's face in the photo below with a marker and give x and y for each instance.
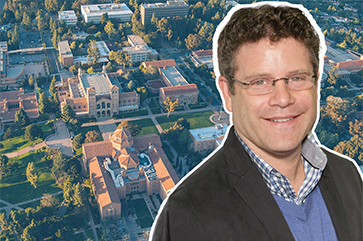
(274, 124)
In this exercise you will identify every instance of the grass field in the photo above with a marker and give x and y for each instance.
(142, 212)
(15, 188)
(147, 126)
(196, 119)
(18, 142)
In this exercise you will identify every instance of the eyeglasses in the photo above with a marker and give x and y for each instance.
(262, 86)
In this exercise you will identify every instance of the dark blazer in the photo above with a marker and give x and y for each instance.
(226, 198)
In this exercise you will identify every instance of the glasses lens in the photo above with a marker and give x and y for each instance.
(300, 82)
(260, 87)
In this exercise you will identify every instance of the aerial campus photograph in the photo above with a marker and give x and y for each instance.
(106, 105)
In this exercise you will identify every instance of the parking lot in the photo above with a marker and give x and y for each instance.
(30, 39)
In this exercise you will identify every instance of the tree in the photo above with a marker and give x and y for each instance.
(104, 18)
(79, 195)
(332, 76)
(192, 42)
(92, 136)
(48, 200)
(44, 104)
(21, 118)
(59, 163)
(32, 174)
(9, 133)
(51, 5)
(170, 105)
(67, 113)
(26, 22)
(78, 141)
(120, 57)
(93, 52)
(142, 92)
(31, 82)
(133, 128)
(3, 165)
(32, 132)
(131, 85)
(110, 30)
(90, 70)
(52, 87)
(4, 224)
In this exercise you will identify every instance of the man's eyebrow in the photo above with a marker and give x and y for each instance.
(267, 75)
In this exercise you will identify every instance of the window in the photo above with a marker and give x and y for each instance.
(79, 107)
(74, 107)
(103, 105)
(108, 105)
(98, 106)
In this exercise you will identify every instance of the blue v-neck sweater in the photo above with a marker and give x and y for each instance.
(309, 221)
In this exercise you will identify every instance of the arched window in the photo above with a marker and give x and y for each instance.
(103, 113)
(108, 105)
(108, 112)
(98, 114)
(98, 106)
(103, 105)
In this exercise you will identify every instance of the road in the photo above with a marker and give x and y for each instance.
(52, 56)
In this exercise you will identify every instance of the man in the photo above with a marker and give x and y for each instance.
(270, 180)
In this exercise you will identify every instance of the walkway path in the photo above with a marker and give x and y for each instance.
(60, 140)
(106, 127)
(10, 206)
(25, 150)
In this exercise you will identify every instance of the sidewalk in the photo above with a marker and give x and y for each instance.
(10, 206)
(25, 150)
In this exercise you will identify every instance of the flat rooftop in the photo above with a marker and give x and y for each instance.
(209, 133)
(338, 55)
(110, 8)
(173, 76)
(64, 15)
(99, 81)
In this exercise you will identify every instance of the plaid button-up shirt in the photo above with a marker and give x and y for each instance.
(314, 162)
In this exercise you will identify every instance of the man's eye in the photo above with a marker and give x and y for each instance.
(259, 82)
(296, 78)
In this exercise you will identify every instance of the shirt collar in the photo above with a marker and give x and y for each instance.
(312, 153)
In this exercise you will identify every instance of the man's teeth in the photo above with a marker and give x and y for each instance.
(281, 120)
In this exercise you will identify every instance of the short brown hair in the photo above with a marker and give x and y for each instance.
(249, 25)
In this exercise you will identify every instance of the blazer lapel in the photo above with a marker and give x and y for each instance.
(334, 203)
(253, 190)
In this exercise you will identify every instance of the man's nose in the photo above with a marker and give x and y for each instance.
(281, 94)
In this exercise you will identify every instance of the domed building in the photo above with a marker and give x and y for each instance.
(125, 165)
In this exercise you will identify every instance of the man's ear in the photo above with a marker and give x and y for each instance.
(226, 93)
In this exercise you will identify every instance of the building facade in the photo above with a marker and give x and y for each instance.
(69, 17)
(97, 95)
(185, 94)
(208, 138)
(114, 10)
(170, 9)
(12, 101)
(124, 165)
(139, 50)
(65, 53)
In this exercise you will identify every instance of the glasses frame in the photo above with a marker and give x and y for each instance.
(273, 81)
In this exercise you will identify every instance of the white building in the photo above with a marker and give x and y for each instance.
(170, 9)
(69, 17)
(207, 138)
(139, 51)
(114, 10)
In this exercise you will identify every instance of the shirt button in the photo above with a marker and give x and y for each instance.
(278, 174)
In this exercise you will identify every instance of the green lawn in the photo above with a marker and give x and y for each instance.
(18, 142)
(196, 119)
(142, 212)
(147, 126)
(15, 188)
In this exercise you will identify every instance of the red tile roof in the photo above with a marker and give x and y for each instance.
(202, 53)
(105, 190)
(161, 63)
